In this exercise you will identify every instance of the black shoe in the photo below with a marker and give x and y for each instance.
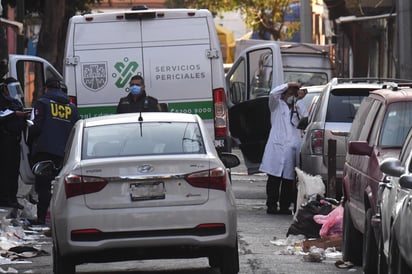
(271, 210)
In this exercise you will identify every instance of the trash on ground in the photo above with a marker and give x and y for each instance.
(19, 241)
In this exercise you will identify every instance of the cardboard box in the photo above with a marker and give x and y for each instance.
(323, 243)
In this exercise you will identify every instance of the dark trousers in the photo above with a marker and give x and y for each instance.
(43, 185)
(279, 189)
(9, 167)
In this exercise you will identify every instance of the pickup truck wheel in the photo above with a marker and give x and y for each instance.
(370, 254)
(352, 240)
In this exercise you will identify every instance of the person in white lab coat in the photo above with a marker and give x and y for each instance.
(279, 158)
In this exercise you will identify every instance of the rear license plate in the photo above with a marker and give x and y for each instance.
(147, 191)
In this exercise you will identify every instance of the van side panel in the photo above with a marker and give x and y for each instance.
(176, 65)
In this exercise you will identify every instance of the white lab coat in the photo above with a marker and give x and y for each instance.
(300, 112)
(279, 158)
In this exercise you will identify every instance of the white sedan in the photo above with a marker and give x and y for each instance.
(142, 186)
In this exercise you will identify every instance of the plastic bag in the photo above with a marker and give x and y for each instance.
(304, 223)
(332, 224)
(308, 186)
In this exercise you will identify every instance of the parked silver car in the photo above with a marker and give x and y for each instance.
(395, 196)
(143, 186)
(331, 120)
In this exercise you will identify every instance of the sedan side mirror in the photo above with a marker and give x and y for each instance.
(303, 123)
(359, 148)
(406, 181)
(45, 168)
(229, 160)
(392, 167)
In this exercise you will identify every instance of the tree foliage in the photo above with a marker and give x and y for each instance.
(55, 15)
(264, 17)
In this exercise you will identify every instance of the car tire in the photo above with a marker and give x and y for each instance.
(352, 240)
(230, 260)
(62, 265)
(369, 251)
(382, 263)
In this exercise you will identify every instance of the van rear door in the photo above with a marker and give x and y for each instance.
(256, 71)
(102, 67)
(177, 51)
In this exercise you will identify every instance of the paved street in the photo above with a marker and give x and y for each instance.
(256, 231)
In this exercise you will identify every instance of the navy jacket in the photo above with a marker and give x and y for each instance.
(54, 117)
(11, 124)
(143, 104)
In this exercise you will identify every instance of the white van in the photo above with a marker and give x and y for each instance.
(177, 52)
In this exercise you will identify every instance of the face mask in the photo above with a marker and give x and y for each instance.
(135, 89)
(290, 100)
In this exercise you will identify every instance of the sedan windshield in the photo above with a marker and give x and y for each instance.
(145, 138)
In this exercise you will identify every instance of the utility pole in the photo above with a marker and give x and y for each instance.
(404, 35)
(305, 21)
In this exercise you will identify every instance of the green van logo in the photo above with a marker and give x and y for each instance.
(125, 71)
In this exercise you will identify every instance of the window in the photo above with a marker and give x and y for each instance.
(396, 124)
(237, 89)
(31, 78)
(261, 72)
(342, 105)
(137, 139)
(306, 78)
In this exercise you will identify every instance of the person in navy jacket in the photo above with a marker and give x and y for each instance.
(12, 123)
(54, 117)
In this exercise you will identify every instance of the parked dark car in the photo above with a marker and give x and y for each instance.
(377, 133)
